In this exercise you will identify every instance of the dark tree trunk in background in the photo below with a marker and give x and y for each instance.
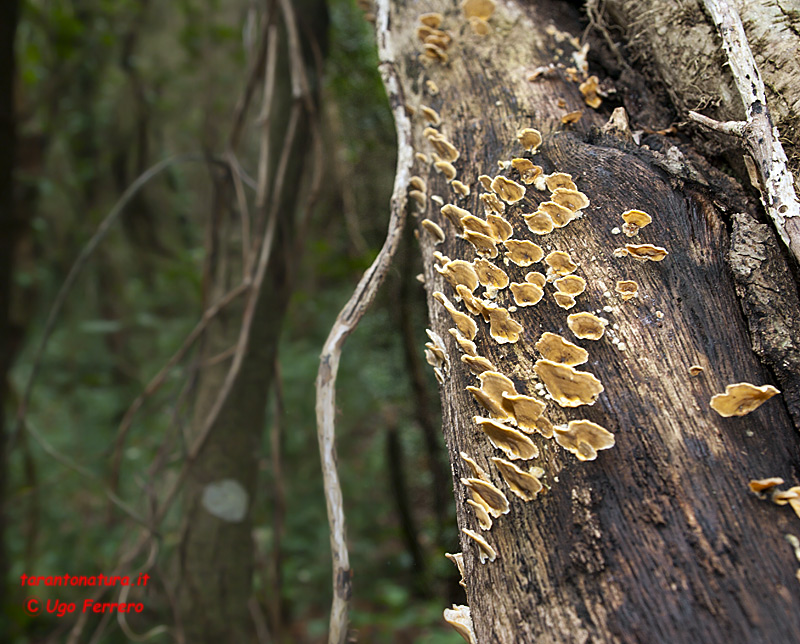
(217, 555)
(9, 14)
(659, 539)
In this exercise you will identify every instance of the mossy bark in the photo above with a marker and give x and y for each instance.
(659, 539)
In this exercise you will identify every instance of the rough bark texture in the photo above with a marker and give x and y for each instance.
(8, 234)
(679, 43)
(659, 539)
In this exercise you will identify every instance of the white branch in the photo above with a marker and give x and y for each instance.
(347, 321)
(760, 136)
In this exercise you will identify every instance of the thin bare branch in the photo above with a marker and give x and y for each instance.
(760, 136)
(347, 321)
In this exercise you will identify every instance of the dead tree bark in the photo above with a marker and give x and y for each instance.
(659, 538)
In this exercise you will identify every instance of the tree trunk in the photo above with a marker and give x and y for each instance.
(659, 538)
(9, 230)
(216, 555)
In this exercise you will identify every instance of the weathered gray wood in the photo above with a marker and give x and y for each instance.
(658, 539)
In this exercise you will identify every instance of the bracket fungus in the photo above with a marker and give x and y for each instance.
(486, 182)
(434, 230)
(512, 442)
(467, 346)
(634, 220)
(458, 560)
(695, 370)
(491, 497)
(492, 204)
(526, 294)
(485, 551)
(463, 322)
(508, 190)
(559, 214)
(572, 199)
(459, 618)
(557, 349)
(501, 229)
(584, 439)
(570, 285)
(526, 169)
(571, 117)
(525, 410)
(454, 214)
(484, 520)
(482, 9)
(644, 252)
(589, 89)
(422, 158)
(430, 114)
(479, 26)
(460, 187)
(477, 364)
(539, 223)
(530, 139)
(418, 197)
(446, 168)
(418, 183)
(568, 387)
(759, 485)
(492, 277)
(741, 398)
(564, 300)
(523, 252)
(485, 245)
(476, 225)
(434, 52)
(560, 263)
(477, 470)
(525, 485)
(559, 180)
(446, 150)
(459, 272)
(432, 20)
(627, 289)
(587, 326)
(490, 395)
(473, 304)
(536, 278)
(502, 327)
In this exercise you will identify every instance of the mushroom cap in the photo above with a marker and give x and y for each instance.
(539, 223)
(559, 215)
(434, 230)
(485, 245)
(572, 199)
(477, 364)
(568, 387)
(759, 485)
(627, 289)
(527, 170)
(523, 252)
(530, 139)
(492, 204)
(463, 322)
(493, 498)
(482, 9)
(458, 272)
(446, 168)
(508, 190)
(485, 552)
(559, 180)
(646, 251)
(536, 278)
(571, 117)
(502, 327)
(494, 408)
(460, 619)
(525, 410)
(512, 442)
(637, 218)
(560, 263)
(586, 326)
(695, 370)
(570, 285)
(526, 294)
(526, 485)
(490, 275)
(564, 300)
(741, 398)
(495, 384)
(584, 439)
(501, 228)
(557, 349)
(454, 214)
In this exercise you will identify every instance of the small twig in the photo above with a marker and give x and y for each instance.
(347, 321)
(760, 136)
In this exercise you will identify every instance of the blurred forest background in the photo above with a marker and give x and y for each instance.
(105, 90)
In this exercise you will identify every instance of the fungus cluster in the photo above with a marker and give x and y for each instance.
(478, 12)
(435, 41)
(767, 489)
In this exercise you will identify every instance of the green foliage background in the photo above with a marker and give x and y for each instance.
(108, 88)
